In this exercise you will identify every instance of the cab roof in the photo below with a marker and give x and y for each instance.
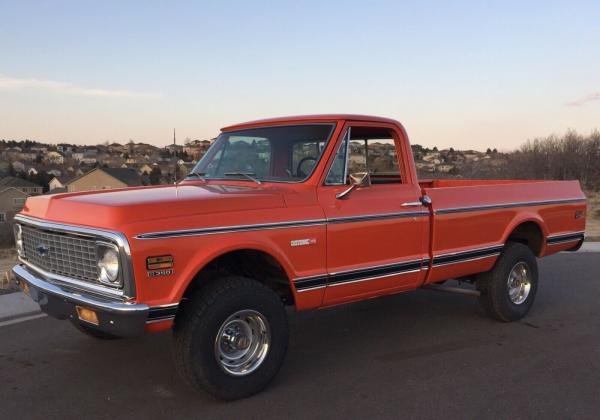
(308, 119)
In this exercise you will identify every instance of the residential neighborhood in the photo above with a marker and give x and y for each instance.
(30, 168)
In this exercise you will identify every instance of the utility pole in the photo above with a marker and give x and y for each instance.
(176, 168)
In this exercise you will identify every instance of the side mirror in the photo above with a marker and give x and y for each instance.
(357, 180)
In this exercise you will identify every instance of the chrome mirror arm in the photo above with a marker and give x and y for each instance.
(357, 180)
(345, 193)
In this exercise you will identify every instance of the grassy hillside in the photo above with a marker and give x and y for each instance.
(592, 229)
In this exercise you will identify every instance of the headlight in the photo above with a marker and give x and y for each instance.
(108, 264)
(18, 239)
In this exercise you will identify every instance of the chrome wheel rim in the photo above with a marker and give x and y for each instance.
(242, 343)
(519, 283)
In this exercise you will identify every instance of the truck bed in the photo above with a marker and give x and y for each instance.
(473, 217)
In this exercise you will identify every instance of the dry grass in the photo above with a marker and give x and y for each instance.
(8, 258)
(592, 228)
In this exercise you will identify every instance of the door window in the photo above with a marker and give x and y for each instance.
(366, 149)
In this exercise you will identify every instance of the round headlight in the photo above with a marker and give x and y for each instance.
(18, 239)
(108, 264)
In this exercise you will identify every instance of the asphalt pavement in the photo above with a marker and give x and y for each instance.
(424, 354)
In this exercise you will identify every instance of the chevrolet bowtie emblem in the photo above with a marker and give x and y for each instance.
(42, 250)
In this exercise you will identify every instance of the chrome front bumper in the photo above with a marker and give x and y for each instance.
(60, 301)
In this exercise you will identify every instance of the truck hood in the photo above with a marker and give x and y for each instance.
(114, 208)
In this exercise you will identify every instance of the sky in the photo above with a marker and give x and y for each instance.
(462, 74)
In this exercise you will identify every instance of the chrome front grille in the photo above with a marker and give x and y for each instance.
(60, 253)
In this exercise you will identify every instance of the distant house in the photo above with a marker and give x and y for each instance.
(90, 156)
(12, 201)
(54, 157)
(197, 148)
(18, 166)
(4, 168)
(145, 168)
(64, 148)
(28, 156)
(105, 179)
(27, 187)
(57, 183)
(444, 168)
(78, 156)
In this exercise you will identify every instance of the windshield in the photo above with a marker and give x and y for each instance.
(282, 153)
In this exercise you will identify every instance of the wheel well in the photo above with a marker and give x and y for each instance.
(254, 264)
(530, 234)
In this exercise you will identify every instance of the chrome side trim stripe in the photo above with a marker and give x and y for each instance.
(565, 238)
(377, 272)
(353, 276)
(507, 205)
(278, 225)
(490, 255)
(162, 313)
(463, 256)
(228, 229)
(310, 283)
(374, 272)
(405, 267)
(336, 220)
(384, 216)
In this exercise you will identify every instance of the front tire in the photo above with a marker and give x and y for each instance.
(231, 338)
(509, 289)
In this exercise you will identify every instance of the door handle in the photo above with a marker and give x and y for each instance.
(424, 201)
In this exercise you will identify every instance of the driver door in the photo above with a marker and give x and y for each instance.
(375, 235)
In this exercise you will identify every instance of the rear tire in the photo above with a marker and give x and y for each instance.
(509, 289)
(231, 337)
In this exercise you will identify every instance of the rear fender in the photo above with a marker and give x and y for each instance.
(525, 217)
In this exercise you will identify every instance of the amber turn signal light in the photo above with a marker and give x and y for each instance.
(160, 262)
(87, 315)
(24, 287)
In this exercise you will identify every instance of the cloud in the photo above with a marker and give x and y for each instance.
(583, 100)
(12, 83)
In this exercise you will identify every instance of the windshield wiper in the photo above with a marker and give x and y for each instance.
(199, 175)
(248, 175)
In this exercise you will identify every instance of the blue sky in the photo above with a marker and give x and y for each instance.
(462, 74)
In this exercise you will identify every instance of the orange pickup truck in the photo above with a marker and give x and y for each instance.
(306, 212)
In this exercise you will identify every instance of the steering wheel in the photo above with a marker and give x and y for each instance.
(299, 170)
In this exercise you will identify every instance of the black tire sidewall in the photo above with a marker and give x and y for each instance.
(514, 254)
(205, 367)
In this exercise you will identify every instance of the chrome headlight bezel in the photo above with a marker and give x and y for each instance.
(109, 264)
(18, 231)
